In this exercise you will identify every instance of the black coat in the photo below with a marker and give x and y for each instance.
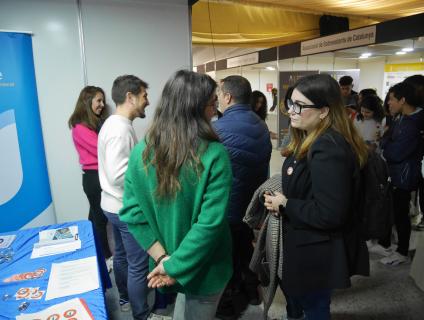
(322, 248)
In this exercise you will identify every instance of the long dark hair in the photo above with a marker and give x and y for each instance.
(83, 113)
(180, 130)
(324, 91)
(262, 112)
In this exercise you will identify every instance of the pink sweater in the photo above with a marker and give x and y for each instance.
(85, 141)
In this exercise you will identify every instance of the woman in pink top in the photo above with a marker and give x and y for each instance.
(85, 123)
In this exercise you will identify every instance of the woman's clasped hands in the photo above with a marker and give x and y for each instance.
(158, 277)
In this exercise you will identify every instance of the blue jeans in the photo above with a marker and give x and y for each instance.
(130, 266)
(194, 307)
(314, 306)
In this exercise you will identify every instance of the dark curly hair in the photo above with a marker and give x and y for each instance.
(374, 104)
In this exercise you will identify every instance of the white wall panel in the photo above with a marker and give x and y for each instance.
(300, 64)
(221, 74)
(320, 62)
(343, 64)
(371, 74)
(149, 38)
(286, 64)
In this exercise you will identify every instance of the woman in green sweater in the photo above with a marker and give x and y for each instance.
(177, 187)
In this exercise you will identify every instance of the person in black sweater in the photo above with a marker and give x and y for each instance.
(417, 81)
(322, 244)
(403, 150)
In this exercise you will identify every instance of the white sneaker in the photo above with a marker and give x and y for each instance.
(380, 250)
(394, 259)
(109, 264)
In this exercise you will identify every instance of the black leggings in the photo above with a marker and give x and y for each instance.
(402, 221)
(242, 237)
(92, 189)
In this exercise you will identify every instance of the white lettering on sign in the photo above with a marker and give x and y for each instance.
(349, 39)
(250, 58)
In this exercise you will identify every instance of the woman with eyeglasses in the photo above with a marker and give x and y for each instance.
(321, 247)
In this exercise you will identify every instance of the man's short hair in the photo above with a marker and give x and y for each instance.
(404, 90)
(239, 88)
(124, 84)
(345, 81)
(417, 81)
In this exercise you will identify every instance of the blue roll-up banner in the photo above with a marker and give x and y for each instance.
(25, 198)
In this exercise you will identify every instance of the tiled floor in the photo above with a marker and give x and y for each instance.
(388, 294)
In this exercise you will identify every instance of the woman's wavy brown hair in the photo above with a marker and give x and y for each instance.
(324, 91)
(180, 131)
(83, 113)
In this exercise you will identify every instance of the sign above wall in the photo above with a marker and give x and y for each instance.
(349, 39)
(251, 58)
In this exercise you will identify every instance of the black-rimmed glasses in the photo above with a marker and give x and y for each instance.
(297, 108)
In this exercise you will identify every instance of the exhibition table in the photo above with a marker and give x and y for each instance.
(24, 281)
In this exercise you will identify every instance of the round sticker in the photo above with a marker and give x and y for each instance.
(290, 171)
(69, 313)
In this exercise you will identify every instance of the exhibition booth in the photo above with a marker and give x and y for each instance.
(375, 57)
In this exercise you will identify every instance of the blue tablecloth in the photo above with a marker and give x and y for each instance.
(21, 263)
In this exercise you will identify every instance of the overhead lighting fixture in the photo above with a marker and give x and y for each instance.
(400, 52)
(365, 55)
(407, 49)
(270, 68)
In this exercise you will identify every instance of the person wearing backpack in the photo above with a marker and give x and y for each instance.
(403, 150)
(322, 243)
(377, 205)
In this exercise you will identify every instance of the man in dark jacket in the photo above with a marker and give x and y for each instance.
(349, 96)
(403, 151)
(246, 137)
(417, 81)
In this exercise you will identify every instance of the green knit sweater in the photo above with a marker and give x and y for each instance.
(192, 227)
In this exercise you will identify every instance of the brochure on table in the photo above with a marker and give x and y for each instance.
(56, 241)
(73, 277)
(71, 309)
